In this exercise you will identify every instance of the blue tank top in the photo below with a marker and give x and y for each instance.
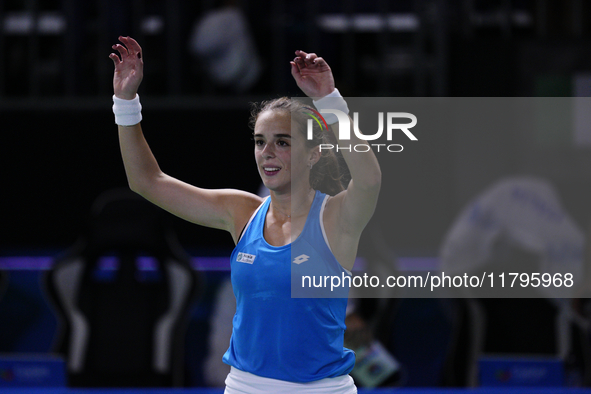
(277, 336)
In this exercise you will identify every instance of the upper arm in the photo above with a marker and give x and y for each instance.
(354, 206)
(225, 209)
(345, 217)
(352, 209)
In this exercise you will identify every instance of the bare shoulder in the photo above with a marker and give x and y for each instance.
(224, 209)
(241, 206)
(239, 197)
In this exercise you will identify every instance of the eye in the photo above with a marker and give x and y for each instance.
(258, 142)
(282, 143)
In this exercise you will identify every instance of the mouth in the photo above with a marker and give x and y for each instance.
(270, 171)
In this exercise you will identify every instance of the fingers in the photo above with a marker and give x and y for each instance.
(115, 59)
(301, 54)
(130, 48)
(320, 62)
(310, 58)
(131, 43)
(304, 59)
(295, 71)
(121, 49)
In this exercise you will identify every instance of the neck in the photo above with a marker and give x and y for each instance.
(288, 205)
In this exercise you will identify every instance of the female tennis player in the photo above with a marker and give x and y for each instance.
(279, 344)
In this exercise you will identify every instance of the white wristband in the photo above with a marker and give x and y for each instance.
(127, 112)
(333, 100)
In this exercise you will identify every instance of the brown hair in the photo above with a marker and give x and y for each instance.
(327, 175)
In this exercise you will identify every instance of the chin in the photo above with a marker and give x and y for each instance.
(278, 188)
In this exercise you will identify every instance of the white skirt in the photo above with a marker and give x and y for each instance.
(240, 382)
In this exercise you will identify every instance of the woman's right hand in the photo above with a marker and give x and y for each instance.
(129, 69)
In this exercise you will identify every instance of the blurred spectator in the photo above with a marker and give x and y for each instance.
(517, 225)
(521, 212)
(223, 42)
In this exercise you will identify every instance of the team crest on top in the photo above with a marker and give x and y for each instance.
(245, 258)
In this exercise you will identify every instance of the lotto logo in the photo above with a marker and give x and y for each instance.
(301, 258)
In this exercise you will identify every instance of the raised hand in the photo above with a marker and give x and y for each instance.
(312, 74)
(129, 69)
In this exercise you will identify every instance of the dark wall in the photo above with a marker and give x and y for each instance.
(55, 163)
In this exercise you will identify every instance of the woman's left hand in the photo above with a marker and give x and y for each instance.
(312, 74)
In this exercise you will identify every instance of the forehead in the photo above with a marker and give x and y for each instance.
(275, 122)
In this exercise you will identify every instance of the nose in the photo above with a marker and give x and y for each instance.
(268, 151)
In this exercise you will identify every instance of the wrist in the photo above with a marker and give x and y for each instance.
(123, 96)
(332, 101)
(127, 112)
(331, 92)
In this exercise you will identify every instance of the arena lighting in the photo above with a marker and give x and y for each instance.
(55, 23)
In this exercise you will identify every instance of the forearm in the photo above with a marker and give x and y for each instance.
(140, 164)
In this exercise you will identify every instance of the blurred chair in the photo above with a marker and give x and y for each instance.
(423, 334)
(516, 225)
(122, 294)
(526, 327)
(3, 282)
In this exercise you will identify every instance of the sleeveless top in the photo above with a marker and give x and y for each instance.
(276, 335)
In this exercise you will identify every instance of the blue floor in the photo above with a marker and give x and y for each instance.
(361, 391)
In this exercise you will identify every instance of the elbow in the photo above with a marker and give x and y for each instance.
(141, 186)
(136, 188)
(146, 186)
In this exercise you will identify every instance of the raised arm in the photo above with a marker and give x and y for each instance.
(348, 212)
(222, 209)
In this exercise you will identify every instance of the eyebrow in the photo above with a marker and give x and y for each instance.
(274, 135)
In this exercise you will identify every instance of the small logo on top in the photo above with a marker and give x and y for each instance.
(301, 258)
(245, 258)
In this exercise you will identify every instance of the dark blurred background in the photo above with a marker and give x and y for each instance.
(59, 144)
(205, 61)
